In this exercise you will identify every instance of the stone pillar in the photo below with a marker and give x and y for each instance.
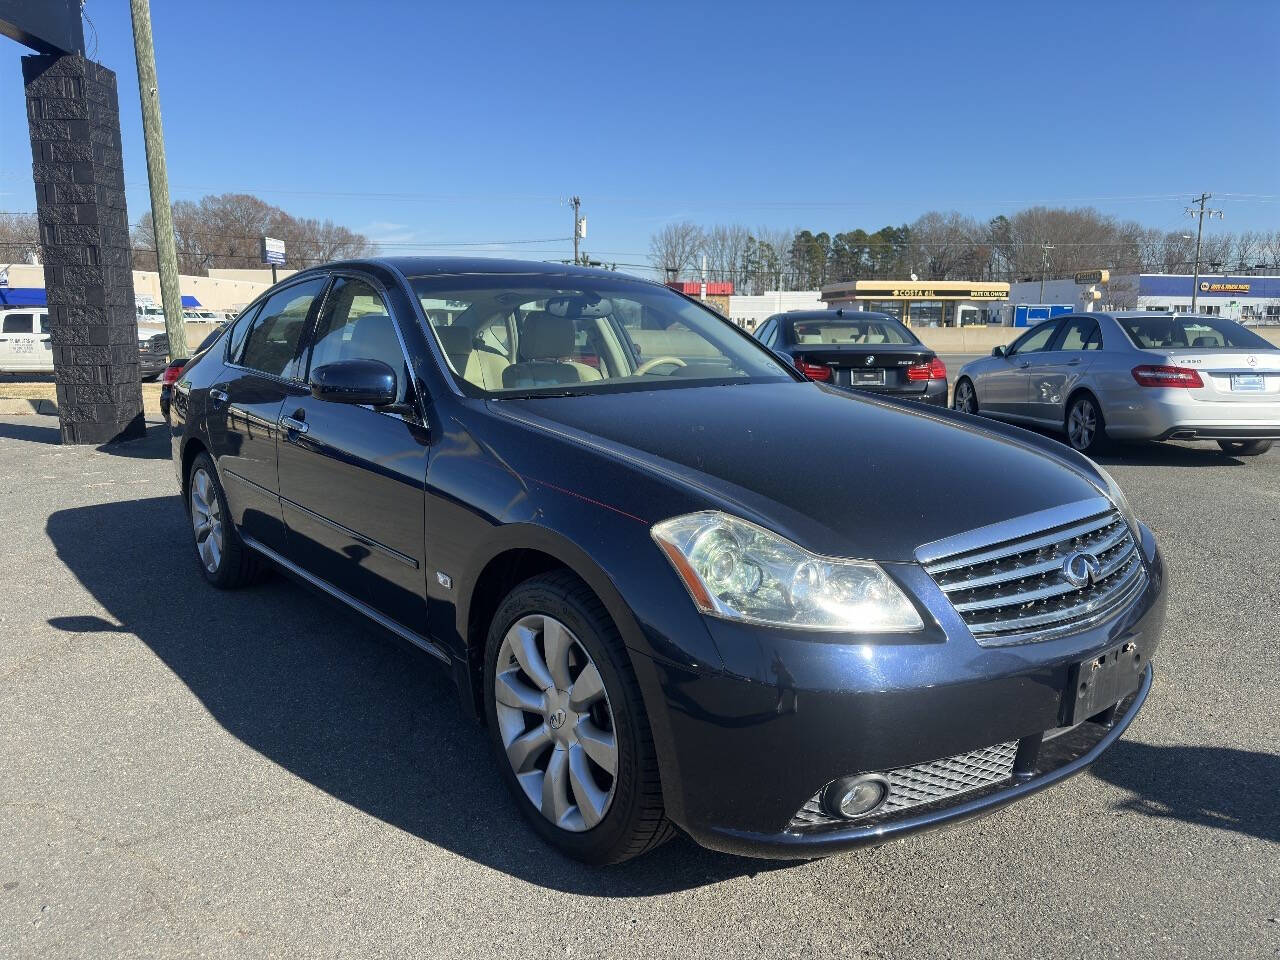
(74, 119)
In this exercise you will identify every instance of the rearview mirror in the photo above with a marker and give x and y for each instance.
(579, 307)
(997, 351)
(355, 381)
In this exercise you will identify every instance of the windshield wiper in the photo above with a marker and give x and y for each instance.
(539, 396)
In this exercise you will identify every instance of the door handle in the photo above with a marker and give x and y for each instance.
(1023, 366)
(217, 396)
(1074, 363)
(298, 426)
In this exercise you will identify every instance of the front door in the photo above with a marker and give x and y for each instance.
(1005, 389)
(353, 478)
(243, 408)
(1054, 372)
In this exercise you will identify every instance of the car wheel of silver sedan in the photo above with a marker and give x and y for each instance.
(568, 723)
(1086, 429)
(966, 398)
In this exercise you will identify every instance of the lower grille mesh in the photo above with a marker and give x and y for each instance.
(926, 783)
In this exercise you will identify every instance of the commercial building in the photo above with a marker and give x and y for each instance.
(923, 303)
(24, 283)
(749, 311)
(1247, 299)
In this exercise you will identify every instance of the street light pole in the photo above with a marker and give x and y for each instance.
(576, 202)
(161, 213)
(1200, 214)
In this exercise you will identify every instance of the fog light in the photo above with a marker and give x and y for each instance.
(851, 797)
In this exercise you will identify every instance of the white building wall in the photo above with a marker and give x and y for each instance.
(751, 311)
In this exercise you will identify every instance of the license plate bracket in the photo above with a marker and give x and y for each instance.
(1248, 383)
(866, 378)
(1097, 683)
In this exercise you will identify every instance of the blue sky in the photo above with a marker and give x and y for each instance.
(423, 123)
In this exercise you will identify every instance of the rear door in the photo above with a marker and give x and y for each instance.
(1005, 389)
(243, 409)
(353, 478)
(1055, 371)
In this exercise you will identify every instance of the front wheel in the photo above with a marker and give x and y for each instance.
(568, 725)
(966, 398)
(1086, 429)
(1245, 448)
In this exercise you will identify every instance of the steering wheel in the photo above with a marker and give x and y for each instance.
(657, 362)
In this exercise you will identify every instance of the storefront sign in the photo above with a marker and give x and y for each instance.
(927, 293)
(1208, 286)
(1086, 277)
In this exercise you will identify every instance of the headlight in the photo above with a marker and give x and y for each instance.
(1116, 495)
(739, 571)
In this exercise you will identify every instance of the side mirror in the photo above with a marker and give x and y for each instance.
(355, 381)
(997, 351)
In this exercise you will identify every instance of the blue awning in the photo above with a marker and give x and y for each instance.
(189, 301)
(22, 297)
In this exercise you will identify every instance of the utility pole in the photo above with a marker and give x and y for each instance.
(1200, 213)
(1044, 265)
(576, 202)
(161, 213)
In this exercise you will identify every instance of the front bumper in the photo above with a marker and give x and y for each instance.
(744, 749)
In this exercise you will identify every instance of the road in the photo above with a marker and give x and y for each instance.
(253, 774)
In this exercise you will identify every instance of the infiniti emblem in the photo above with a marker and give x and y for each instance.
(1081, 569)
(557, 719)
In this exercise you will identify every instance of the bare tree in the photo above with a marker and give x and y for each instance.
(226, 230)
(19, 238)
(726, 250)
(675, 248)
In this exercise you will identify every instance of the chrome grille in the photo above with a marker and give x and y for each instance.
(926, 783)
(1017, 590)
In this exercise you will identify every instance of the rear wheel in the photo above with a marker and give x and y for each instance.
(224, 559)
(568, 725)
(966, 398)
(1086, 429)
(1245, 448)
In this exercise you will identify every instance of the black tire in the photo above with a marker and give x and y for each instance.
(1245, 448)
(969, 404)
(236, 565)
(1091, 442)
(635, 820)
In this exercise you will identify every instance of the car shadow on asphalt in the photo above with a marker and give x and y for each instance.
(1218, 787)
(333, 700)
(1135, 454)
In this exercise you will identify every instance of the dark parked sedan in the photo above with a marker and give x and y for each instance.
(682, 586)
(858, 349)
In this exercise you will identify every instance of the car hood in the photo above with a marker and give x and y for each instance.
(841, 474)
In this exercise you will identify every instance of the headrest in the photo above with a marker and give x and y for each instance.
(547, 337)
(374, 338)
(457, 340)
(1205, 342)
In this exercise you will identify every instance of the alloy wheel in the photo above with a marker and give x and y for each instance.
(1082, 424)
(965, 401)
(206, 520)
(556, 722)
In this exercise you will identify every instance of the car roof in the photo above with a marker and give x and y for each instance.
(444, 266)
(838, 313)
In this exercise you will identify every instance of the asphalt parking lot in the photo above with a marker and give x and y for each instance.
(190, 773)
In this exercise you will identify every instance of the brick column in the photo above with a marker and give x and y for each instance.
(74, 119)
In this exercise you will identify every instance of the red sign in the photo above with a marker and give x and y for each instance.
(693, 288)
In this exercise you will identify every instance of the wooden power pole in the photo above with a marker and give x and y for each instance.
(158, 177)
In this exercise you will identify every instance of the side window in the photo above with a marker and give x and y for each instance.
(1078, 333)
(355, 324)
(1035, 340)
(273, 338)
(235, 343)
(44, 323)
(18, 323)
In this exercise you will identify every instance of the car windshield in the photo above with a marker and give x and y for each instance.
(850, 331)
(507, 335)
(1190, 331)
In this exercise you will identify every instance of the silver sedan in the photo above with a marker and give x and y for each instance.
(1133, 376)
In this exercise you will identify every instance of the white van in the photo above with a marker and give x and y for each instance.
(24, 341)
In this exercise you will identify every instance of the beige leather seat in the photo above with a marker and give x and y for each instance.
(480, 367)
(547, 343)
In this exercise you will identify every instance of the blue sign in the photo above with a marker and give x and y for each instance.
(1229, 288)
